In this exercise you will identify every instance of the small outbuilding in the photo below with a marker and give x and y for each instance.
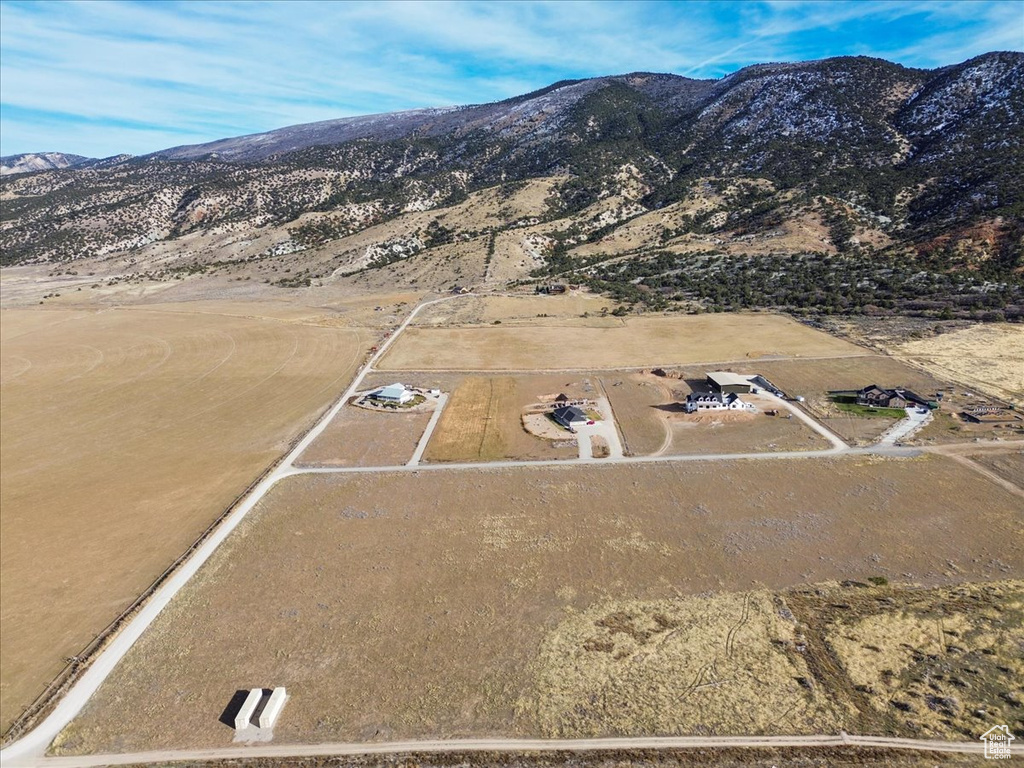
(570, 416)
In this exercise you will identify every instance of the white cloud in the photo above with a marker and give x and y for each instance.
(200, 71)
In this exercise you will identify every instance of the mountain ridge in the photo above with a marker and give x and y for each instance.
(890, 168)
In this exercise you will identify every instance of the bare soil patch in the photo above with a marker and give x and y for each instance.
(125, 433)
(664, 340)
(420, 605)
(1009, 466)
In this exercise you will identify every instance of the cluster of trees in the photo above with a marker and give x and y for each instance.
(813, 282)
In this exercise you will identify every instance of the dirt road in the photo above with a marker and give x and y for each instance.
(497, 745)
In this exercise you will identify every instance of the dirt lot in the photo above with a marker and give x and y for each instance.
(392, 608)
(362, 438)
(483, 419)
(1009, 466)
(663, 340)
(984, 356)
(124, 434)
(652, 422)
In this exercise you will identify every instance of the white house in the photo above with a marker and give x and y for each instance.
(716, 401)
(393, 393)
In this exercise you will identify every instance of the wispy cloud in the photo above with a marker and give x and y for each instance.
(103, 77)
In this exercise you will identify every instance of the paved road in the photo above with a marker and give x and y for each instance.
(421, 446)
(913, 421)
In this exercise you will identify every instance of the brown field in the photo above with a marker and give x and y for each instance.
(125, 433)
(1009, 466)
(984, 356)
(642, 341)
(726, 432)
(508, 602)
(482, 421)
(634, 399)
(651, 422)
(526, 309)
(357, 437)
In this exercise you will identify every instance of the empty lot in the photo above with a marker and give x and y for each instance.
(430, 604)
(635, 342)
(985, 356)
(483, 420)
(125, 433)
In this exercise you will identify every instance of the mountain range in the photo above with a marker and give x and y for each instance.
(848, 184)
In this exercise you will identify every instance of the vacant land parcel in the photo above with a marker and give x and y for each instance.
(124, 434)
(636, 342)
(358, 437)
(483, 421)
(463, 605)
(984, 356)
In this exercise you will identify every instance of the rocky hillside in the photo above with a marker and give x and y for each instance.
(38, 161)
(849, 184)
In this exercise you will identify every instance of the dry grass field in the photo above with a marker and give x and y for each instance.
(527, 309)
(362, 438)
(985, 356)
(641, 341)
(635, 399)
(441, 604)
(1009, 466)
(726, 432)
(929, 661)
(482, 421)
(124, 434)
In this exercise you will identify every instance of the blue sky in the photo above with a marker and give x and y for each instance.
(100, 78)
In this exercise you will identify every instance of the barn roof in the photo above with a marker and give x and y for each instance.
(727, 378)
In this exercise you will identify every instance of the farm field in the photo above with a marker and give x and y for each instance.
(636, 342)
(125, 433)
(985, 356)
(357, 437)
(551, 601)
(482, 421)
(567, 308)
